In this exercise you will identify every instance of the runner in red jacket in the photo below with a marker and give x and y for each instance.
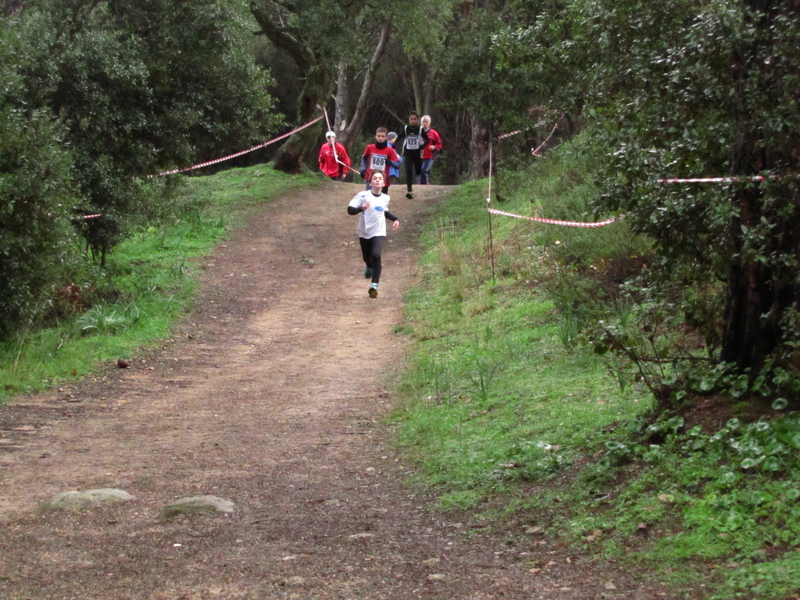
(379, 157)
(430, 151)
(331, 156)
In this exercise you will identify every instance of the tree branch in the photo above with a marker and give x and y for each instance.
(266, 13)
(369, 80)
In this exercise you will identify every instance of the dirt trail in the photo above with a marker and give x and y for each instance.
(271, 395)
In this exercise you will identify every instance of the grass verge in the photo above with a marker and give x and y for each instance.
(511, 415)
(149, 281)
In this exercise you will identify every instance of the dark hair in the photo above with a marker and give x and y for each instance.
(413, 113)
(381, 130)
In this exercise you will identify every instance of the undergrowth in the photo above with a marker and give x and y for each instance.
(513, 415)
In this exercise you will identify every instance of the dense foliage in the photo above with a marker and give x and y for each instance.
(98, 96)
(36, 238)
(697, 89)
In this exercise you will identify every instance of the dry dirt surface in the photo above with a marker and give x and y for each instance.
(272, 394)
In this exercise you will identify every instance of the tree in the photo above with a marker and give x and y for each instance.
(307, 32)
(349, 132)
(692, 89)
(36, 239)
(722, 101)
(763, 278)
(141, 87)
(489, 82)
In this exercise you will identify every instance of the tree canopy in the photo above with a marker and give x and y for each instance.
(97, 95)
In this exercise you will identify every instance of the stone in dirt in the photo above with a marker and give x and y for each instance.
(75, 500)
(199, 505)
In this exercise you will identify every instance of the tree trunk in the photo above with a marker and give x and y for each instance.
(479, 154)
(415, 89)
(313, 68)
(748, 336)
(293, 154)
(342, 97)
(366, 89)
(429, 90)
(762, 289)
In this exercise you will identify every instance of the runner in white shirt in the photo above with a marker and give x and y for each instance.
(373, 206)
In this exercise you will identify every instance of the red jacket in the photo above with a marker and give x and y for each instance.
(434, 143)
(327, 161)
(375, 159)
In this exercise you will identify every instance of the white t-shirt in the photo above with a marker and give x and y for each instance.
(372, 221)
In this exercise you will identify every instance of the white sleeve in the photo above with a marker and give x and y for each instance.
(357, 201)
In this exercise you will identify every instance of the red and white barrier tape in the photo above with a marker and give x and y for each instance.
(505, 135)
(92, 216)
(535, 151)
(219, 160)
(348, 167)
(553, 221)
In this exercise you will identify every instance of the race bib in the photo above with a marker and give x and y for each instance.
(377, 162)
(413, 142)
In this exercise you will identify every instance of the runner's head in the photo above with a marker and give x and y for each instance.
(330, 136)
(377, 178)
(413, 118)
(380, 135)
(426, 121)
(391, 136)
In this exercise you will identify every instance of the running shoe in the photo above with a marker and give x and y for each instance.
(373, 292)
(367, 273)
(410, 196)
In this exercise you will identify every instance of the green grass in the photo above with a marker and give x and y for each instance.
(511, 415)
(149, 281)
(494, 397)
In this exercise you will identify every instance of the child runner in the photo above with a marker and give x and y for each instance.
(414, 140)
(431, 148)
(328, 155)
(394, 172)
(376, 156)
(373, 206)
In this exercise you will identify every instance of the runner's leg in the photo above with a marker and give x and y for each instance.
(426, 169)
(366, 250)
(418, 165)
(376, 249)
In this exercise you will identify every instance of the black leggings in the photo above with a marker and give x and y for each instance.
(371, 252)
(413, 164)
